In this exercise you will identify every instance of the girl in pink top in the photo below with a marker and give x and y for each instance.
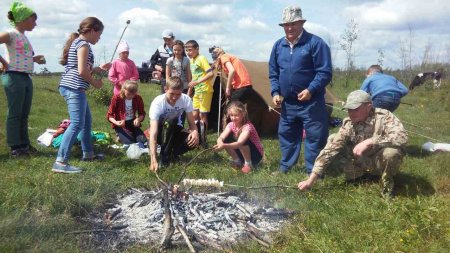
(240, 139)
(122, 69)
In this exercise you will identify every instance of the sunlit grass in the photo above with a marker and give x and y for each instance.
(38, 208)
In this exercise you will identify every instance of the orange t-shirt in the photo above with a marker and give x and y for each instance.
(241, 77)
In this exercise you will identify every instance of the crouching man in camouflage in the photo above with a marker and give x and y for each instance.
(370, 141)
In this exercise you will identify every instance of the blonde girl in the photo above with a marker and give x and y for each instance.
(122, 114)
(240, 139)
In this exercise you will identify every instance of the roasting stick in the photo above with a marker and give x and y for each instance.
(211, 182)
(261, 187)
(192, 160)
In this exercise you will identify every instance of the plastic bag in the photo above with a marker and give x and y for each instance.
(134, 151)
(430, 146)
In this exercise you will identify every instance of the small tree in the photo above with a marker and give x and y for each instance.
(380, 59)
(348, 38)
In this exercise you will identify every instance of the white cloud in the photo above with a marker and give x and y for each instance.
(397, 15)
(249, 23)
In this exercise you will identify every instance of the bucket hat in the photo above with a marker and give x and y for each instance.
(291, 14)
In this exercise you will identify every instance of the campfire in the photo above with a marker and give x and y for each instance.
(172, 216)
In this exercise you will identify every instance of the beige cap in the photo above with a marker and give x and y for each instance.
(356, 98)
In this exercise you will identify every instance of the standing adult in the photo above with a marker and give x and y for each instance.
(385, 90)
(16, 78)
(299, 70)
(159, 58)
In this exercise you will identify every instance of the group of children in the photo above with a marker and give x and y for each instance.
(185, 78)
(126, 111)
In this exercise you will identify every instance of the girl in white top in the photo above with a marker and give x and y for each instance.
(16, 78)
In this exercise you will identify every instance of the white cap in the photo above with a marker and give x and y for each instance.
(123, 47)
(167, 34)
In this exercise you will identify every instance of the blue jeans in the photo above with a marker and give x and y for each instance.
(296, 116)
(389, 102)
(80, 121)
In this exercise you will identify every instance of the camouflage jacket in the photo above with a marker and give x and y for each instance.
(382, 126)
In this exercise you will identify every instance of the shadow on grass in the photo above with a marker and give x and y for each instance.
(406, 185)
(411, 186)
(416, 151)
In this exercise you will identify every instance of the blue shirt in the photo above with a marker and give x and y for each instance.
(305, 66)
(381, 84)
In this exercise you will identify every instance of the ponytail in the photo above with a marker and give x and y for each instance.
(65, 53)
(11, 17)
(86, 25)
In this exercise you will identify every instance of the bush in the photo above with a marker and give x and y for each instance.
(101, 96)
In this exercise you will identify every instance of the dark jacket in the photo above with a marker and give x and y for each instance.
(160, 58)
(117, 108)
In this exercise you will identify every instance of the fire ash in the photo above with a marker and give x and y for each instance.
(205, 220)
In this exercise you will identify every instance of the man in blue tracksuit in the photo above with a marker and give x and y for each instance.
(385, 90)
(299, 70)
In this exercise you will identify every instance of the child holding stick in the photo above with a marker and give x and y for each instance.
(240, 139)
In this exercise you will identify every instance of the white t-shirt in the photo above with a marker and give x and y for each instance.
(160, 109)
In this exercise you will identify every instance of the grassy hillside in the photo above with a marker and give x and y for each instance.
(38, 208)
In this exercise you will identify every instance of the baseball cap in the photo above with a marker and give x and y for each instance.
(356, 98)
(167, 34)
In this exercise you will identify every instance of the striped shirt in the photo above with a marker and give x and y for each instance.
(19, 54)
(71, 78)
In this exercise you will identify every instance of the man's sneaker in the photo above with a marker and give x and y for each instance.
(20, 152)
(246, 169)
(65, 168)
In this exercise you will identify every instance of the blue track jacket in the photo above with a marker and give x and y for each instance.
(306, 66)
(379, 84)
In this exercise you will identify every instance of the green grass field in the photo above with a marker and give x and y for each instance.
(39, 209)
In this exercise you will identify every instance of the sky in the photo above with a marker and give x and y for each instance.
(245, 28)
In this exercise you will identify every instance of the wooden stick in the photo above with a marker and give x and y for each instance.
(189, 163)
(261, 187)
(263, 243)
(92, 231)
(186, 238)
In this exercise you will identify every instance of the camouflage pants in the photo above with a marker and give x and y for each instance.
(384, 162)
